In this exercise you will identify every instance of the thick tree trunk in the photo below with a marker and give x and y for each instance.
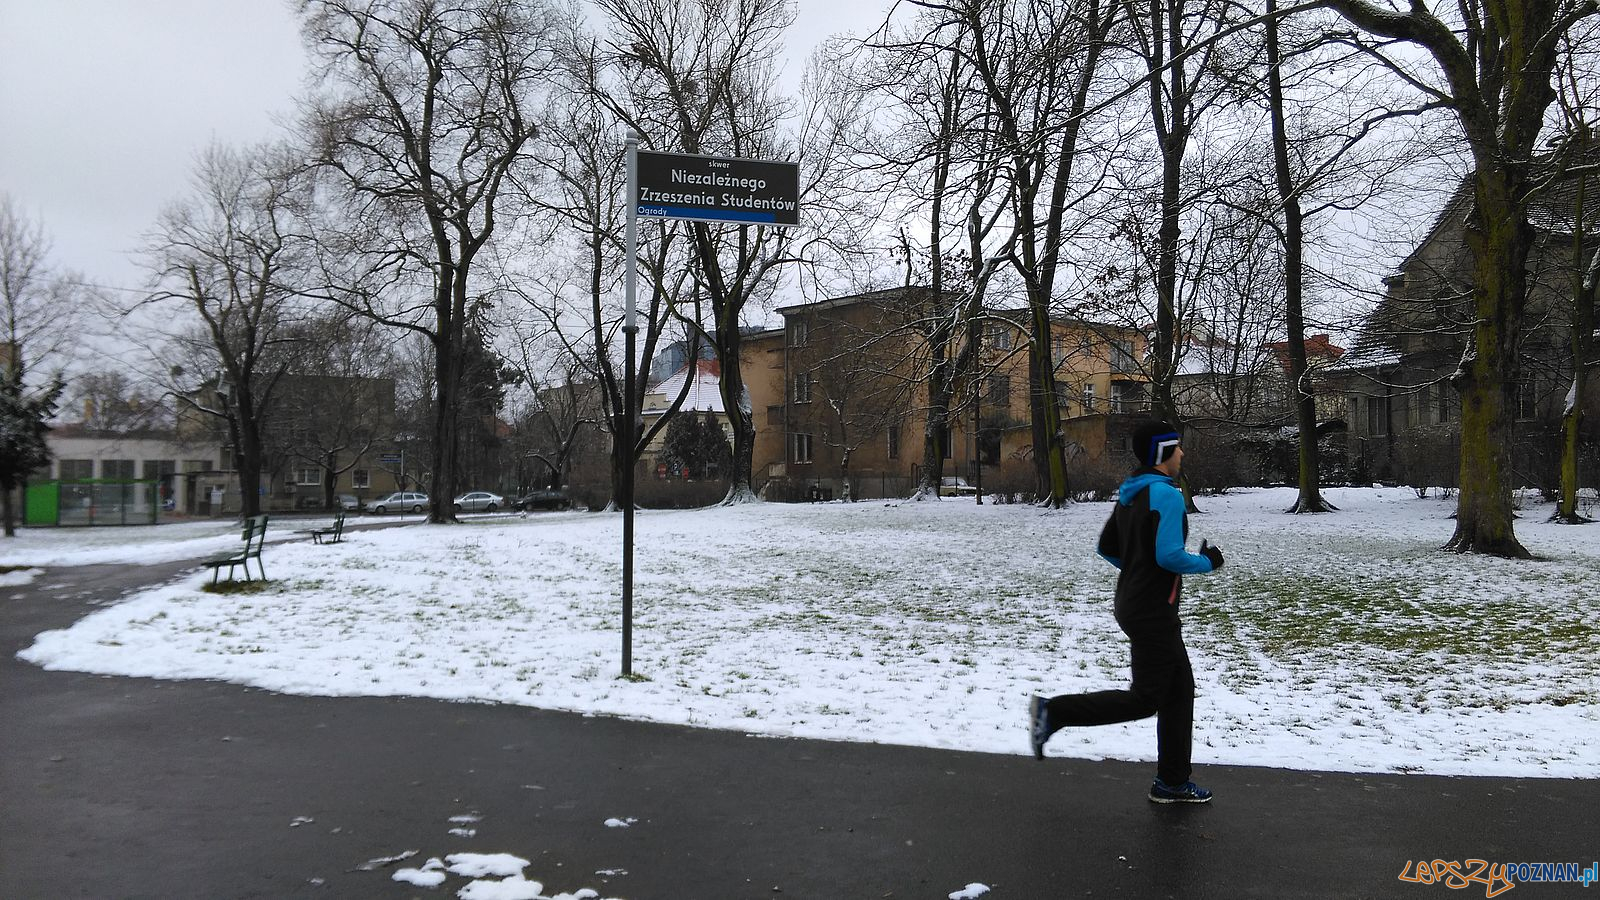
(739, 414)
(934, 425)
(1500, 238)
(447, 369)
(1050, 456)
(8, 510)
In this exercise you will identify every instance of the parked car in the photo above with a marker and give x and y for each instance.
(546, 498)
(347, 502)
(479, 501)
(399, 501)
(956, 486)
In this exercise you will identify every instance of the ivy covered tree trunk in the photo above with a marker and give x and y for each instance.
(1500, 237)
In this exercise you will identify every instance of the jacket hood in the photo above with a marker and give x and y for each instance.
(1137, 482)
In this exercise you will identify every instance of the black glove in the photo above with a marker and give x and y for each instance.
(1212, 553)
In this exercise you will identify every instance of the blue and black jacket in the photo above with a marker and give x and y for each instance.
(1144, 539)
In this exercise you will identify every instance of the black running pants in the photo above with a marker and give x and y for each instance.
(1163, 686)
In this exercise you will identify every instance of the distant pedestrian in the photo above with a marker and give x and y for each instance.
(1144, 539)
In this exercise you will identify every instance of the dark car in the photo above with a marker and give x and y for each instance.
(547, 498)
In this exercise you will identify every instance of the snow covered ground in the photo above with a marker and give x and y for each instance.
(1345, 641)
(146, 545)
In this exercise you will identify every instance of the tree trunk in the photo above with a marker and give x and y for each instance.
(1500, 237)
(1310, 497)
(1049, 452)
(935, 425)
(740, 416)
(8, 510)
(330, 478)
(1586, 282)
(448, 338)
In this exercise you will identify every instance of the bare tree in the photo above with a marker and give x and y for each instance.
(696, 77)
(40, 307)
(429, 117)
(1494, 70)
(1578, 100)
(38, 311)
(111, 401)
(229, 254)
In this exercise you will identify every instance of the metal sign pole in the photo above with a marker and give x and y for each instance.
(630, 330)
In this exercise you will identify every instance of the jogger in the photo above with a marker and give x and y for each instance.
(1144, 538)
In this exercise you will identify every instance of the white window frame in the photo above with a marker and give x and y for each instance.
(799, 332)
(301, 479)
(802, 387)
(360, 479)
(800, 448)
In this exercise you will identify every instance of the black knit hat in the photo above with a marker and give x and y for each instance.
(1153, 442)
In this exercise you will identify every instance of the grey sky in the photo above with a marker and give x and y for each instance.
(105, 103)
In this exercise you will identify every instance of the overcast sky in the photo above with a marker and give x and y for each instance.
(105, 103)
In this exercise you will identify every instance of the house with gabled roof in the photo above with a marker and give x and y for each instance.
(1402, 409)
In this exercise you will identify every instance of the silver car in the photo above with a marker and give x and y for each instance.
(399, 501)
(479, 501)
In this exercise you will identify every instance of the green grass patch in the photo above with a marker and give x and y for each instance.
(237, 587)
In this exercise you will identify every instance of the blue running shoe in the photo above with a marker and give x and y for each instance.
(1189, 792)
(1038, 725)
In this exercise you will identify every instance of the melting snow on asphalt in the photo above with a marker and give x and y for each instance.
(496, 876)
(1343, 641)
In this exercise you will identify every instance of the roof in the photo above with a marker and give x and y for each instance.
(704, 391)
(1319, 349)
(852, 299)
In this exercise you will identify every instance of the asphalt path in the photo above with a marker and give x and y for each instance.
(140, 788)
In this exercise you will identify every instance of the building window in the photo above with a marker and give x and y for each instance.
(1088, 398)
(894, 441)
(155, 468)
(1122, 361)
(1377, 415)
(117, 468)
(310, 475)
(999, 393)
(360, 478)
(998, 335)
(1442, 411)
(75, 469)
(800, 448)
(799, 332)
(946, 443)
(802, 388)
(989, 446)
(227, 460)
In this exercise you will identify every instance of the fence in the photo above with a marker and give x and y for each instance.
(99, 501)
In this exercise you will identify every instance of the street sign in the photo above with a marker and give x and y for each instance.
(389, 459)
(718, 189)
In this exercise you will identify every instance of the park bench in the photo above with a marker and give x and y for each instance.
(334, 533)
(254, 534)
